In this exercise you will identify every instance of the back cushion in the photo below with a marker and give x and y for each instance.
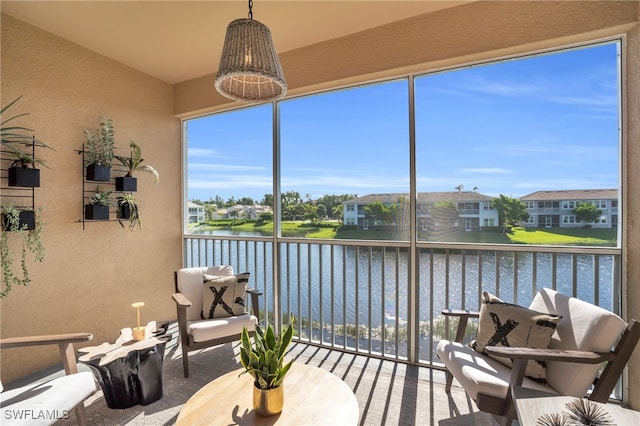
(190, 283)
(223, 296)
(506, 324)
(583, 327)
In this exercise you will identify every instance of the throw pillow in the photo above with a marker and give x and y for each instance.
(223, 296)
(506, 324)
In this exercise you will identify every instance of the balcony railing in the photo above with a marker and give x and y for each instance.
(383, 300)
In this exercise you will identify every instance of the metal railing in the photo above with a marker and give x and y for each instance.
(357, 296)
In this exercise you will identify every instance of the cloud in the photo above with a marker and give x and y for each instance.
(487, 170)
(216, 167)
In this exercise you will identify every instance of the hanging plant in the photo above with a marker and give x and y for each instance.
(129, 211)
(30, 241)
(133, 163)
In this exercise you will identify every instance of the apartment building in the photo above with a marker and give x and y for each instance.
(473, 210)
(554, 209)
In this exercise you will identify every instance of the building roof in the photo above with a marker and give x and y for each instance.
(572, 194)
(193, 205)
(423, 197)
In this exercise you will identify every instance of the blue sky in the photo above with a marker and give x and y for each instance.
(541, 123)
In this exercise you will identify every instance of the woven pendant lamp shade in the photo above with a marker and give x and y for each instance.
(249, 67)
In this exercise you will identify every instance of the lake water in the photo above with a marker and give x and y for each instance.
(369, 285)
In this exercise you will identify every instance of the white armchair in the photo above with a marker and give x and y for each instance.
(45, 402)
(198, 333)
(582, 342)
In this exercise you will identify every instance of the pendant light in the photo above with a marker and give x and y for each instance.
(249, 69)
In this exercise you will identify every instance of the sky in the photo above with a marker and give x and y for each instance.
(546, 122)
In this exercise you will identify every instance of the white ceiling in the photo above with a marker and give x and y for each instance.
(180, 40)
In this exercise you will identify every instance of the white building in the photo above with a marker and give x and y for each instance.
(196, 212)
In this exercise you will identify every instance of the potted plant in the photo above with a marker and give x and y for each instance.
(12, 222)
(14, 140)
(129, 211)
(264, 361)
(99, 151)
(133, 163)
(98, 207)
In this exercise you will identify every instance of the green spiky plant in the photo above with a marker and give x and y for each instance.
(133, 163)
(14, 138)
(100, 143)
(101, 198)
(264, 359)
(131, 203)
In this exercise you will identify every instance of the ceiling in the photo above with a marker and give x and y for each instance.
(176, 41)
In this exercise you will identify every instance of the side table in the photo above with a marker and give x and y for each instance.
(531, 404)
(129, 371)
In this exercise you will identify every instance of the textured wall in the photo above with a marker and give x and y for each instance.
(631, 188)
(89, 278)
(459, 35)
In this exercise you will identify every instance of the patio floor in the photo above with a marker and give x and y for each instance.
(388, 393)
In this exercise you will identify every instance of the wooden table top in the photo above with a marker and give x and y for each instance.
(312, 396)
(531, 404)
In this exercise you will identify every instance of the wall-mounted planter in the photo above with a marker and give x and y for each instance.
(24, 177)
(27, 220)
(98, 173)
(96, 212)
(126, 184)
(124, 211)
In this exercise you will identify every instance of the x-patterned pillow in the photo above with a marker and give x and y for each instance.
(506, 324)
(224, 296)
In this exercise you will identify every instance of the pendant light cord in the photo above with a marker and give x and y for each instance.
(250, 11)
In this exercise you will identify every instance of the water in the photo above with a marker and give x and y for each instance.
(369, 285)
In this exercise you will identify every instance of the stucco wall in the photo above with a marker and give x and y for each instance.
(90, 277)
(631, 187)
(471, 32)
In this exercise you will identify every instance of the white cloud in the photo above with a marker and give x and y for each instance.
(488, 170)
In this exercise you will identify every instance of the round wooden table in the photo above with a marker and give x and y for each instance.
(312, 396)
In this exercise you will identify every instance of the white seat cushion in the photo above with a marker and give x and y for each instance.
(204, 330)
(44, 403)
(478, 373)
(583, 327)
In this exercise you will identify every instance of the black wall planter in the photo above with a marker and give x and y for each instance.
(124, 211)
(24, 176)
(98, 173)
(126, 184)
(27, 218)
(96, 212)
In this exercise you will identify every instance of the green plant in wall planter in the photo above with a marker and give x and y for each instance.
(98, 148)
(129, 211)
(19, 144)
(98, 207)
(28, 235)
(133, 164)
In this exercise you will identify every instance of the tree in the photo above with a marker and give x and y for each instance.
(267, 200)
(380, 211)
(231, 202)
(246, 201)
(266, 216)
(445, 213)
(510, 210)
(587, 213)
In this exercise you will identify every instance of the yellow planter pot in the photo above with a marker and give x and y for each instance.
(268, 402)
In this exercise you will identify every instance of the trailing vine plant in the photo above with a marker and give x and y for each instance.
(31, 243)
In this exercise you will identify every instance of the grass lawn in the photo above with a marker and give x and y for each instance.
(565, 236)
(330, 230)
